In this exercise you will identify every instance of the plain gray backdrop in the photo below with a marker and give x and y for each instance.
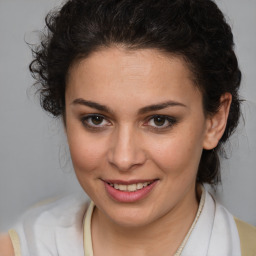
(34, 159)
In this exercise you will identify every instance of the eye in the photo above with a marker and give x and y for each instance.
(94, 121)
(161, 122)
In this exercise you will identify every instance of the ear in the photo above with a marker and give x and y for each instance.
(216, 123)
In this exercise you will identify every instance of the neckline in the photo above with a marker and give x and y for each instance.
(87, 238)
(202, 193)
(88, 251)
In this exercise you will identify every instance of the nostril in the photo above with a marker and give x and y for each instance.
(125, 152)
(126, 162)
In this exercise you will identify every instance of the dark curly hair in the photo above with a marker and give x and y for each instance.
(195, 30)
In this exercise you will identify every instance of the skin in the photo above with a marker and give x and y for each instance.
(129, 144)
(6, 248)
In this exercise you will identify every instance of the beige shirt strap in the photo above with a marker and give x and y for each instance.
(15, 242)
(88, 251)
(247, 234)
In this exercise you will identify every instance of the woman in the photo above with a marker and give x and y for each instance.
(148, 93)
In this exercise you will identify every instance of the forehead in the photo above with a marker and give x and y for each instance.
(141, 75)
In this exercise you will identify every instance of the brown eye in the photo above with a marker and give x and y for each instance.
(97, 120)
(159, 121)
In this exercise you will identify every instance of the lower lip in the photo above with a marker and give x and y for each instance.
(127, 196)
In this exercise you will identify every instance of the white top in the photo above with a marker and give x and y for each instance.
(63, 228)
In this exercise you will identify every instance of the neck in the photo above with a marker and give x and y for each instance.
(161, 237)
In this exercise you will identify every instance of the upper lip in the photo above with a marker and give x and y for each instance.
(128, 182)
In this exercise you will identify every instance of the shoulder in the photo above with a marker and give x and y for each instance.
(6, 248)
(47, 223)
(247, 234)
(55, 212)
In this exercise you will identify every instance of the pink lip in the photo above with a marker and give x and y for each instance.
(126, 196)
(122, 182)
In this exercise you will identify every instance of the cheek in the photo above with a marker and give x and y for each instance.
(178, 153)
(86, 151)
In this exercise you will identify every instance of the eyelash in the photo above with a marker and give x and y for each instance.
(171, 122)
(86, 122)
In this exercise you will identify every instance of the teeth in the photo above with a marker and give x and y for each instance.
(123, 187)
(139, 186)
(131, 187)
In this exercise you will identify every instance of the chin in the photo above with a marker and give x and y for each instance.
(131, 219)
(129, 215)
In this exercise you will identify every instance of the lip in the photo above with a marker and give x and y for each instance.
(127, 196)
(122, 182)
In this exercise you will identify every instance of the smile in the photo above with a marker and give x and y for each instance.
(131, 188)
(129, 192)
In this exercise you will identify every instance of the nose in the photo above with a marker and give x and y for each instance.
(126, 152)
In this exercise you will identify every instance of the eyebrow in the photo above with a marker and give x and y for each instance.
(91, 104)
(160, 106)
(143, 110)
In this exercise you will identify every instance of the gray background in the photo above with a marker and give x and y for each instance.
(34, 160)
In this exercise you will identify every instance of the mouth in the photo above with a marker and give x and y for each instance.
(130, 187)
(129, 191)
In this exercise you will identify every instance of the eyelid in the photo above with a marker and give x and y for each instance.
(84, 121)
(172, 121)
(94, 127)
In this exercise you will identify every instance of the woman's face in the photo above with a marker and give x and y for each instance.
(136, 129)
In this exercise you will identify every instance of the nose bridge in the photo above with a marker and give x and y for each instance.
(125, 151)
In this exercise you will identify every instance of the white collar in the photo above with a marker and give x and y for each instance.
(214, 234)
